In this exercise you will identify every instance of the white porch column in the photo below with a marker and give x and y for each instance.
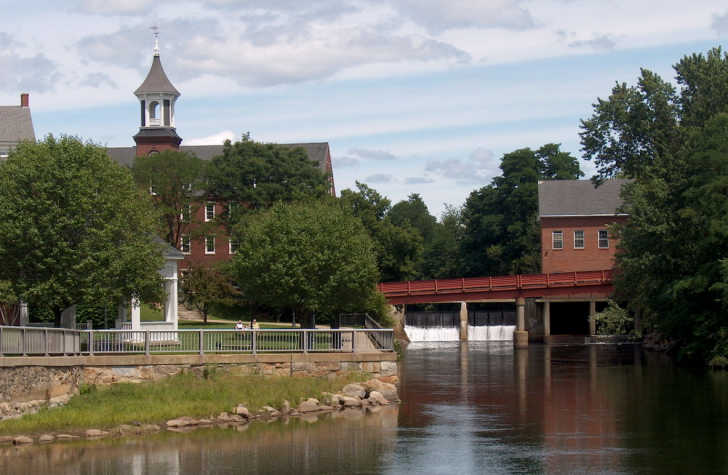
(170, 307)
(23, 311)
(136, 315)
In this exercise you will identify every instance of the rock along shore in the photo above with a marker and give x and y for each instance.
(367, 395)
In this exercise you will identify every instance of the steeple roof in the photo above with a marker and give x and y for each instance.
(156, 80)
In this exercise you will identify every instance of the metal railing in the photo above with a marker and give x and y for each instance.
(24, 341)
(379, 340)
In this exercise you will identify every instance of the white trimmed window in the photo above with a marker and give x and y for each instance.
(210, 245)
(209, 211)
(185, 245)
(234, 246)
(578, 239)
(603, 239)
(186, 214)
(557, 239)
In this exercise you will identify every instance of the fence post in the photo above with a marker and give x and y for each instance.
(1, 341)
(353, 340)
(45, 341)
(305, 341)
(146, 342)
(90, 342)
(254, 341)
(201, 335)
(25, 351)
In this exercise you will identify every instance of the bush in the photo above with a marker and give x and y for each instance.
(613, 320)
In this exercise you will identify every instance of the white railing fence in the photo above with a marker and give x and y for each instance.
(24, 341)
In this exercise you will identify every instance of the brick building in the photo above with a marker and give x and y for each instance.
(574, 216)
(157, 132)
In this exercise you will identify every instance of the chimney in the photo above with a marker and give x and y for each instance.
(25, 100)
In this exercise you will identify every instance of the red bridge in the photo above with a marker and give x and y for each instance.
(494, 288)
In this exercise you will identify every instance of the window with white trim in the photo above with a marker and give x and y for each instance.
(603, 239)
(557, 239)
(185, 245)
(209, 211)
(234, 246)
(210, 245)
(186, 214)
(579, 239)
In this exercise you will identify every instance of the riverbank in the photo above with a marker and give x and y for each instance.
(136, 408)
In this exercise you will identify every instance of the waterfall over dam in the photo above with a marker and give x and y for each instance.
(445, 326)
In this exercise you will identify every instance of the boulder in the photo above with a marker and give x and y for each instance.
(312, 405)
(242, 411)
(285, 407)
(354, 390)
(351, 401)
(183, 421)
(96, 433)
(67, 436)
(389, 391)
(376, 397)
(22, 439)
(223, 417)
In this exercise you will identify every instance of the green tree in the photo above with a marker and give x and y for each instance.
(253, 176)
(311, 257)
(74, 227)
(501, 233)
(441, 259)
(398, 248)
(673, 252)
(414, 211)
(204, 286)
(176, 180)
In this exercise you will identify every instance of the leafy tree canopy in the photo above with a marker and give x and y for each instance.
(204, 286)
(501, 233)
(176, 180)
(311, 257)
(74, 227)
(398, 248)
(256, 175)
(637, 125)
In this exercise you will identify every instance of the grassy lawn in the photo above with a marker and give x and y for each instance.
(155, 402)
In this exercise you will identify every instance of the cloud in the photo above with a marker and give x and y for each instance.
(418, 180)
(720, 22)
(599, 42)
(31, 74)
(439, 15)
(345, 162)
(379, 178)
(215, 139)
(115, 7)
(372, 154)
(97, 80)
(478, 168)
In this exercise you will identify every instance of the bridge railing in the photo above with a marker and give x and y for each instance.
(484, 284)
(23, 341)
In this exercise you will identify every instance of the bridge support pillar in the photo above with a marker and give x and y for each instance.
(463, 321)
(546, 319)
(592, 322)
(520, 336)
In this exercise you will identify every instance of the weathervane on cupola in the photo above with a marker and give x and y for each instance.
(157, 97)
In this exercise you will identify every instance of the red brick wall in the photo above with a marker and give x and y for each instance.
(222, 241)
(569, 259)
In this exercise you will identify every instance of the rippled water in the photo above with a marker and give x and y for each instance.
(467, 408)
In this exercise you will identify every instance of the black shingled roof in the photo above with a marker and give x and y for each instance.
(579, 198)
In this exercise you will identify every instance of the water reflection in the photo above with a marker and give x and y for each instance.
(468, 408)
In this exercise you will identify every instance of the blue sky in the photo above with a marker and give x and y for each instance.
(413, 96)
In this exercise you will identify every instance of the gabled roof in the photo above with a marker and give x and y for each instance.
(316, 151)
(15, 124)
(156, 80)
(562, 198)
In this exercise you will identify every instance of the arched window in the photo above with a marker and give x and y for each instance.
(154, 113)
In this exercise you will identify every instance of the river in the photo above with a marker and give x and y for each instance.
(478, 407)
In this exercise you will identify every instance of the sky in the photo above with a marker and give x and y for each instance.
(413, 96)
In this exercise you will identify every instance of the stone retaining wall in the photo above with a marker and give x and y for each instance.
(27, 383)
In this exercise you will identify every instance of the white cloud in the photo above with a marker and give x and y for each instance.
(345, 162)
(215, 139)
(719, 22)
(440, 15)
(115, 7)
(372, 154)
(598, 42)
(27, 73)
(479, 168)
(418, 180)
(379, 178)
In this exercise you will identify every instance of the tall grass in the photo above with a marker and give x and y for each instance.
(155, 402)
